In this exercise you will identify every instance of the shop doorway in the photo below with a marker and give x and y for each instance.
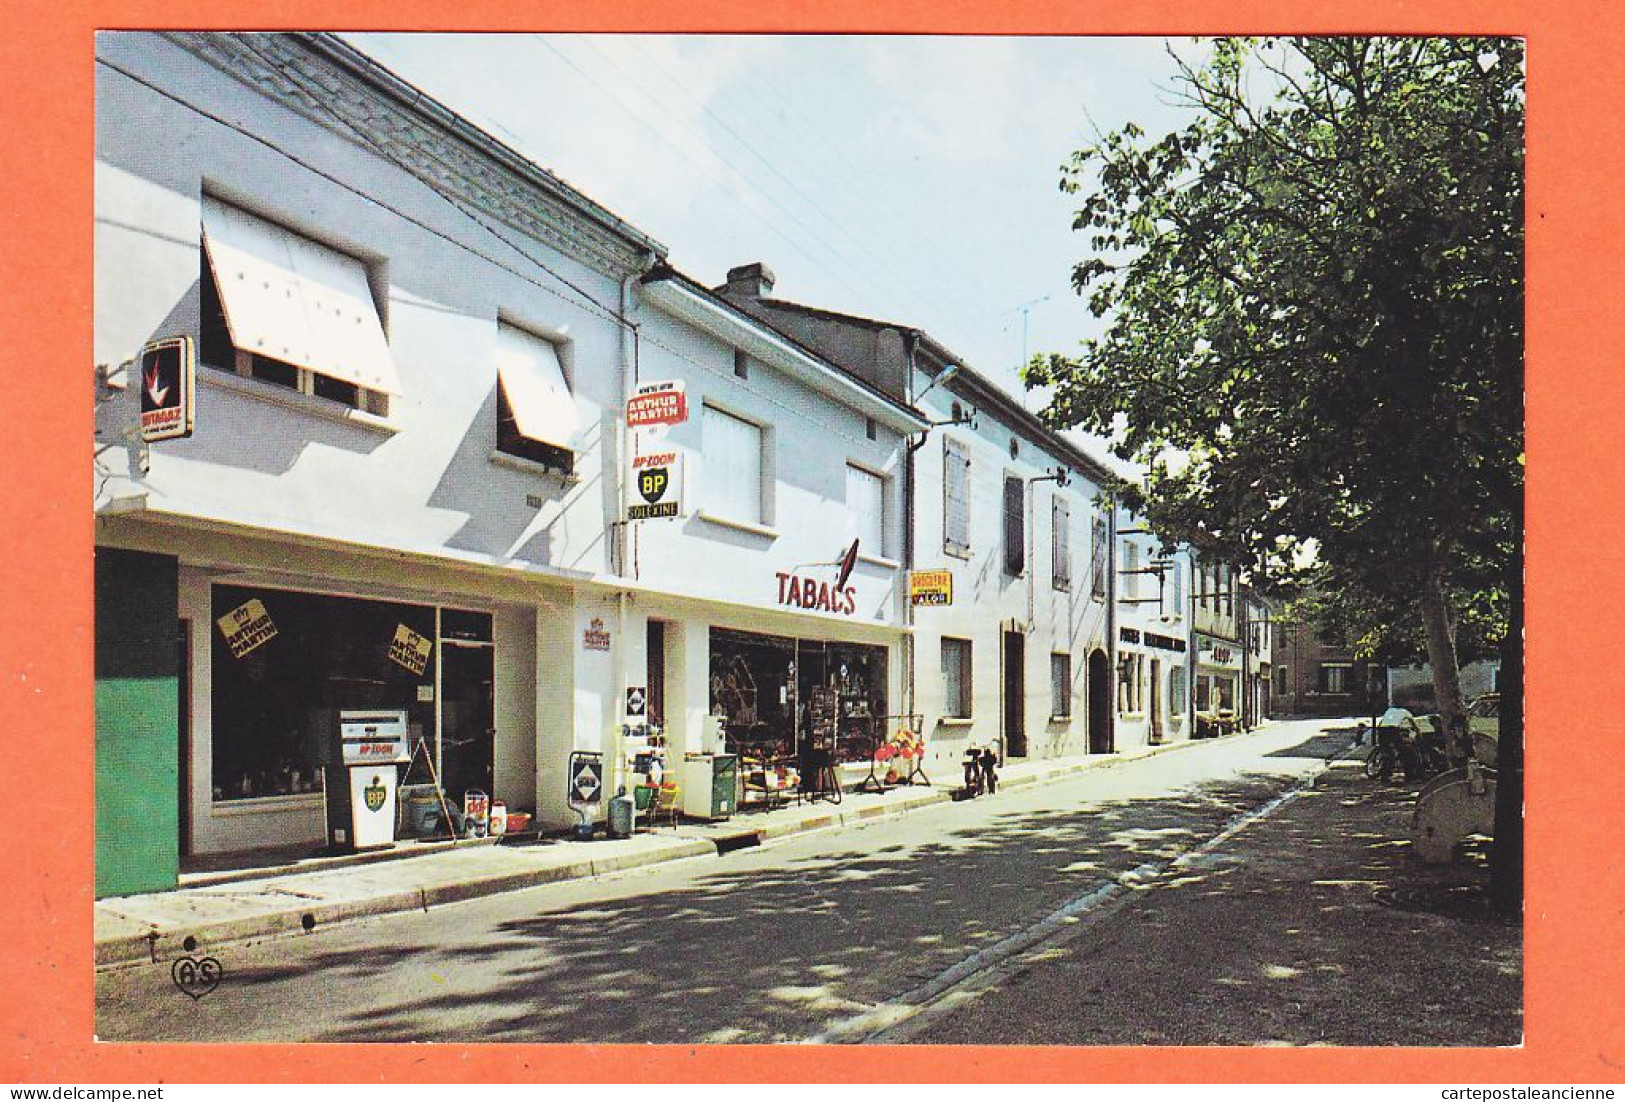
(1100, 696)
(655, 672)
(467, 719)
(1015, 695)
(1156, 701)
(183, 776)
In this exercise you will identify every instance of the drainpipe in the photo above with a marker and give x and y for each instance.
(624, 536)
(910, 446)
(1111, 622)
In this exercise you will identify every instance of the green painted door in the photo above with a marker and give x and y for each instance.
(137, 723)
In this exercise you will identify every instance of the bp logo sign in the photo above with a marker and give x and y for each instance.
(652, 484)
(654, 491)
(375, 794)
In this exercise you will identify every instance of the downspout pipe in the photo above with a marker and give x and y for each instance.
(1111, 624)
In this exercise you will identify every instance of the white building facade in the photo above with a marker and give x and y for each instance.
(410, 465)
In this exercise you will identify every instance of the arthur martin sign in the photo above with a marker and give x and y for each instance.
(168, 378)
(655, 490)
(654, 405)
(246, 627)
(410, 649)
(931, 587)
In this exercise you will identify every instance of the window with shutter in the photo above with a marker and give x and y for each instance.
(955, 498)
(1015, 526)
(1060, 673)
(866, 510)
(956, 677)
(1097, 559)
(1061, 542)
(731, 448)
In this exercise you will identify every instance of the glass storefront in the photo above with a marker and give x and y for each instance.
(284, 663)
(779, 695)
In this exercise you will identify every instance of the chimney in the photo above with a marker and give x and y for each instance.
(748, 281)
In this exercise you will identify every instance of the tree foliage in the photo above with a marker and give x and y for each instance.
(1313, 298)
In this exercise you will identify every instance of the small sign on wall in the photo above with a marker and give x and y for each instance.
(595, 636)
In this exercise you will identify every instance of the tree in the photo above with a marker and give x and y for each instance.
(1313, 306)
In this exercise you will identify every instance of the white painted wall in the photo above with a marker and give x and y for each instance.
(986, 598)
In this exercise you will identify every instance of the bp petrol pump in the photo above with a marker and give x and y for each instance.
(365, 752)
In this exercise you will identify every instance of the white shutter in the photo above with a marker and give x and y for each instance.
(866, 510)
(290, 299)
(956, 496)
(533, 379)
(1061, 540)
(732, 467)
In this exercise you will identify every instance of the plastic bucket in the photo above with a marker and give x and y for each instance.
(422, 813)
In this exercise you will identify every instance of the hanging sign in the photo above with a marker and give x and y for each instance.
(246, 627)
(931, 587)
(655, 488)
(168, 378)
(637, 702)
(595, 636)
(657, 405)
(410, 649)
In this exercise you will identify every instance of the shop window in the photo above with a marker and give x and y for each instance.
(1176, 691)
(765, 687)
(1204, 694)
(1061, 543)
(1060, 684)
(284, 664)
(536, 413)
(1015, 526)
(1097, 559)
(288, 311)
(956, 678)
(732, 466)
(866, 509)
(955, 498)
(1131, 683)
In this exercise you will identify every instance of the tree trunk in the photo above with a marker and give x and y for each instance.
(1506, 855)
(1442, 657)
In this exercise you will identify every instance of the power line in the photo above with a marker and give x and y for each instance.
(587, 301)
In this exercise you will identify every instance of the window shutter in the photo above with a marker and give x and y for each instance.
(866, 509)
(732, 450)
(956, 497)
(1015, 527)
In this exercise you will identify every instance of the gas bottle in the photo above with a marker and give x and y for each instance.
(621, 810)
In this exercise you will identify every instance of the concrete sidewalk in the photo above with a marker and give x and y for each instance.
(219, 909)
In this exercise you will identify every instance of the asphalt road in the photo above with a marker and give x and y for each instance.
(835, 935)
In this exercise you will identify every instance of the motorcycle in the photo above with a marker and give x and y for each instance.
(1401, 743)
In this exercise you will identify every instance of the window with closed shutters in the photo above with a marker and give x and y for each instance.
(1097, 559)
(1061, 542)
(866, 510)
(1060, 676)
(955, 498)
(956, 678)
(731, 448)
(1015, 525)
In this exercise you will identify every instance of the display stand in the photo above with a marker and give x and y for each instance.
(907, 745)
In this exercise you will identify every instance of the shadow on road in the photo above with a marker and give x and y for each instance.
(770, 949)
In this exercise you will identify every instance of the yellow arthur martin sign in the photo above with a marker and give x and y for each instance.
(931, 587)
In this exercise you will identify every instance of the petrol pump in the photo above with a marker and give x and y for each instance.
(362, 765)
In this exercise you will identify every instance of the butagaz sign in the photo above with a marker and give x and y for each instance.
(809, 593)
(410, 649)
(595, 636)
(931, 587)
(247, 626)
(168, 375)
(657, 404)
(654, 491)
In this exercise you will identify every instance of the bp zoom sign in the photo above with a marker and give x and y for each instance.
(655, 488)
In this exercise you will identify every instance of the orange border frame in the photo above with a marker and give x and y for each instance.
(1575, 1012)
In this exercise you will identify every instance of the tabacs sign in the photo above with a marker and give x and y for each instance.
(168, 380)
(657, 405)
(655, 489)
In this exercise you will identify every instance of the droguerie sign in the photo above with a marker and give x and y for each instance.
(810, 593)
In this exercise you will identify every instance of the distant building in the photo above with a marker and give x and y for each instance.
(1316, 674)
